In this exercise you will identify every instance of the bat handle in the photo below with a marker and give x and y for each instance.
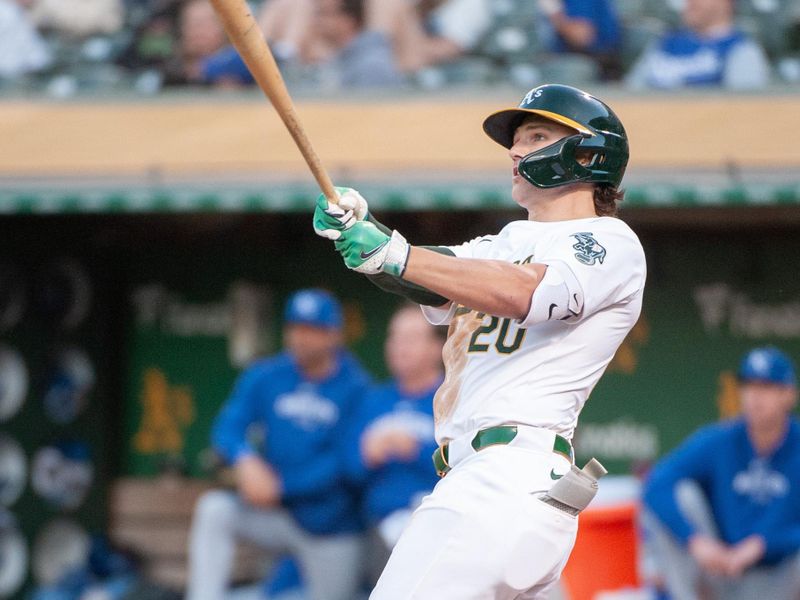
(321, 175)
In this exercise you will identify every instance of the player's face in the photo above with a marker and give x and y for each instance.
(533, 134)
(699, 14)
(331, 22)
(201, 33)
(309, 344)
(411, 345)
(766, 404)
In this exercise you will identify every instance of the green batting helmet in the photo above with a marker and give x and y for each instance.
(599, 134)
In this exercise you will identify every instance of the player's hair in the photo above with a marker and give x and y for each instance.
(606, 197)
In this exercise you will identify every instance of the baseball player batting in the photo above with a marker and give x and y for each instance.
(535, 314)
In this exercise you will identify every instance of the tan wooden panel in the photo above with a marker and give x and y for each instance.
(420, 134)
(171, 574)
(134, 497)
(153, 540)
(152, 517)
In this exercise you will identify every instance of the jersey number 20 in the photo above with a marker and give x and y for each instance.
(501, 343)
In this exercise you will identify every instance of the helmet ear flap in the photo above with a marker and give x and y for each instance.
(555, 165)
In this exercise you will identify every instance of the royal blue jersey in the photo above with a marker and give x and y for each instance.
(397, 483)
(748, 494)
(602, 15)
(303, 423)
(684, 58)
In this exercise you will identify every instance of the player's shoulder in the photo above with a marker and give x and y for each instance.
(720, 432)
(620, 232)
(270, 365)
(596, 236)
(606, 225)
(263, 371)
(484, 239)
(598, 224)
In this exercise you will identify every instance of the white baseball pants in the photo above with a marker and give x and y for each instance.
(483, 534)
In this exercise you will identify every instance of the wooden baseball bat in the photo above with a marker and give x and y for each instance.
(247, 38)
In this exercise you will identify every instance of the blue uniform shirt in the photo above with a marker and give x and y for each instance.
(304, 424)
(748, 494)
(684, 58)
(395, 484)
(599, 13)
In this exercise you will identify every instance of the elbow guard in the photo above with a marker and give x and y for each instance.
(558, 297)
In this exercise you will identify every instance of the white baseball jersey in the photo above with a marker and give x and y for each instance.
(500, 370)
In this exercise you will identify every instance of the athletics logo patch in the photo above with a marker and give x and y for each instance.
(589, 251)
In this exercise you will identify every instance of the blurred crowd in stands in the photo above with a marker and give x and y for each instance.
(64, 47)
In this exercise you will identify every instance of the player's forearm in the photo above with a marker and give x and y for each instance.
(495, 287)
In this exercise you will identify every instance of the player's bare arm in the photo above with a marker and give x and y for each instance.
(495, 287)
(498, 288)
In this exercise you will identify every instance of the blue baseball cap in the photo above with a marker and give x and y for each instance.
(769, 365)
(313, 307)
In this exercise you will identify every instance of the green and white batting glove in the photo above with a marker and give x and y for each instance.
(331, 219)
(366, 249)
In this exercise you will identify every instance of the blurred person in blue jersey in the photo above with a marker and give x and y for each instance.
(391, 456)
(707, 50)
(722, 511)
(291, 496)
(589, 27)
(389, 453)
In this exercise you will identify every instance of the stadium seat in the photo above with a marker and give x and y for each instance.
(571, 69)
(637, 36)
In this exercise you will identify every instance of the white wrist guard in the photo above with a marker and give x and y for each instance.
(396, 255)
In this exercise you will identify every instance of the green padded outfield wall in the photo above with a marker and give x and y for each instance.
(190, 331)
(710, 297)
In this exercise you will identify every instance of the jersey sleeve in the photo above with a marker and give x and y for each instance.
(599, 266)
(689, 461)
(229, 431)
(475, 248)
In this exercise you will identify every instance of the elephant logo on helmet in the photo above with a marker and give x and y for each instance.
(589, 251)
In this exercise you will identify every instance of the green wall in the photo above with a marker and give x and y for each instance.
(710, 297)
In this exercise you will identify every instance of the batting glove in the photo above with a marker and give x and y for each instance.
(331, 219)
(366, 249)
